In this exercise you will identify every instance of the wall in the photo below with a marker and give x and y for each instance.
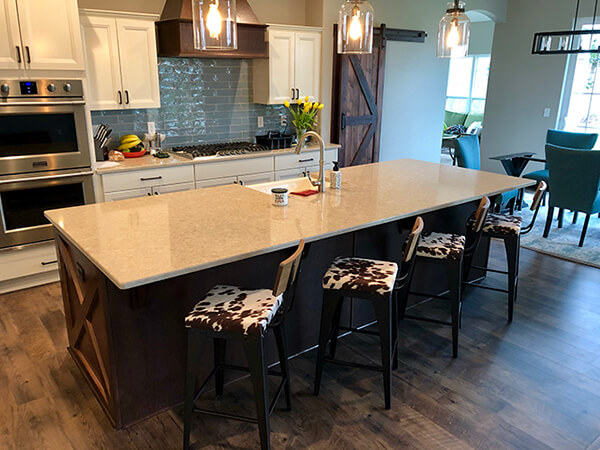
(521, 85)
(415, 80)
(202, 101)
(482, 37)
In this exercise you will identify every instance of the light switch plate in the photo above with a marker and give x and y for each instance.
(547, 112)
(261, 121)
(151, 128)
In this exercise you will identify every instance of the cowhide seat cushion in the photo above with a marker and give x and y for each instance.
(502, 225)
(441, 246)
(361, 275)
(236, 310)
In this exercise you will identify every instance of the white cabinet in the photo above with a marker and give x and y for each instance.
(256, 178)
(121, 61)
(293, 69)
(27, 266)
(161, 190)
(40, 35)
(215, 182)
(10, 38)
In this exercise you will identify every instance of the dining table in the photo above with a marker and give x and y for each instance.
(515, 163)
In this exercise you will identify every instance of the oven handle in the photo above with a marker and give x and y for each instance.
(17, 103)
(49, 177)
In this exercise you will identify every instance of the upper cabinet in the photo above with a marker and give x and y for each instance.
(121, 61)
(293, 69)
(38, 35)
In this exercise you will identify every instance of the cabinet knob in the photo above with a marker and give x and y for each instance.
(51, 87)
(5, 88)
(67, 87)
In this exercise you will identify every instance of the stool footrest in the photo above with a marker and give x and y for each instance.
(487, 269)
(359, 330)
(355, 365)
(226, 416)
(429, 296)
(481, 286)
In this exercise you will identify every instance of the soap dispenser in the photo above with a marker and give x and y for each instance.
(335, 180)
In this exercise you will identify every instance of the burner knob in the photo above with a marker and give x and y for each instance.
(5, 88)
(67, 87)
(51, 87)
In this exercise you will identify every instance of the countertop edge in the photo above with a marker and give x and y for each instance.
(282, 246)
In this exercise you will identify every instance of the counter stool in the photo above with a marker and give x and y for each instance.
(509, 228)
(379, 282)
(245, 315)
(455, 252)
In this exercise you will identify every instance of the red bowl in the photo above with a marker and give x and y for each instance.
(134, 154)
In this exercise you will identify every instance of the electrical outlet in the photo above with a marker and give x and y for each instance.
(283, 120)
(261, 121)
(151, 128)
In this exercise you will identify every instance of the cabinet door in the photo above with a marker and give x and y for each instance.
(215, 182)
(139, 63)
(307, 64)
(51, 34)
(102, 62)
(256, 178)
(281, 65)
(160, 190)
(122, 195)
(10, 39)
(289, 174)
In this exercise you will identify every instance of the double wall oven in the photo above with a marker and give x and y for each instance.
(44, 156)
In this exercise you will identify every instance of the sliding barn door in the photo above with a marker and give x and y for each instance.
(357, 102)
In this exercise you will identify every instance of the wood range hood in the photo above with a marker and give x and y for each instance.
(176, 37)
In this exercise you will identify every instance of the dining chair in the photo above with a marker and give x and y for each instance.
(575, 183)
(468, 155)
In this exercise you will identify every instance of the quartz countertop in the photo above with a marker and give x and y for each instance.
(139, 241)
(150, 162)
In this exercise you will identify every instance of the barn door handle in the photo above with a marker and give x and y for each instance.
(344, 121)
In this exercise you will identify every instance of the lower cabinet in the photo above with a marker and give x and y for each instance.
(27, 266)
(158, 190)
(256, 178)
(215, 182)
(123, 195)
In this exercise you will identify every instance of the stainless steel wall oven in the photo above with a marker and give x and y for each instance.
(44, 156)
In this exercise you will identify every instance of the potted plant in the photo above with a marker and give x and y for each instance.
(304, 113)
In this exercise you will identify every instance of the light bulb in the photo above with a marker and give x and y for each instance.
(355, 25)
(453, 36)
(213, 20)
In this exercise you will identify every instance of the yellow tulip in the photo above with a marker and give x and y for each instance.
(306, 108)
(286, 104)
(306, 99)
(316, 105)
(321, 106)
(299, 101)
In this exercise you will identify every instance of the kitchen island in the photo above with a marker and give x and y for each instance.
(131, 270)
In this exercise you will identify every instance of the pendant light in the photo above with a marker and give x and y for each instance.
(215, 26)
(454, 32)
(355, 29)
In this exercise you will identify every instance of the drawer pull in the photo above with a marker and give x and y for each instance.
(151, 178)
(49, 263)
(306, 160)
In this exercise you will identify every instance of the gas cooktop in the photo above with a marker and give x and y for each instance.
(216, 150)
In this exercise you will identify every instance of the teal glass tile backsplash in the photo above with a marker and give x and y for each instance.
(202, 101)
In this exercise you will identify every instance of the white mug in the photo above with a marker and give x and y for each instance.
(279, 196)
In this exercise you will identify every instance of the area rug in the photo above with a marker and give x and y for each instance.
(563, 242)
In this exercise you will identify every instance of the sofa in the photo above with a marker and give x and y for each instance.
(452, 118)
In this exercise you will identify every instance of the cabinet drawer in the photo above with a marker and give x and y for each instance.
(289, 174)
(26, 261)
(256, 178)
(215, 182)
(114, 182)
(304, 159)
(160, 190)
(124, 195)
(233, 168)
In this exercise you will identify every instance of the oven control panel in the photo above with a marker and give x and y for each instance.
(40, 89)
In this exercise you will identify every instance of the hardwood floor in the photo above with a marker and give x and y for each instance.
(534, 383)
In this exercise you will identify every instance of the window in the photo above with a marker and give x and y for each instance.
(580, 108)
(467, 84)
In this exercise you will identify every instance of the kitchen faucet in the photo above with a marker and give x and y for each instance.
(321, 180)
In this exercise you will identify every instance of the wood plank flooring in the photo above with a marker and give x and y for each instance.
(531, 384)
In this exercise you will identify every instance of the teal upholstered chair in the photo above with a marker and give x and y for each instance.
(575, 183)
(468, 155)
(566, 139)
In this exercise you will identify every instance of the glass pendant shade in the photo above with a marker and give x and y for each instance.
(355, 29)
(215, 26)
(454, 32)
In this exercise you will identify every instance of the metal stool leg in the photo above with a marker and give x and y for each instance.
(454, 271)
(283, 362)
(219, 356)
(327, 315)
(336, 324)
(192, 368)
(383, 312)
(511, 243)
(258, 373)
